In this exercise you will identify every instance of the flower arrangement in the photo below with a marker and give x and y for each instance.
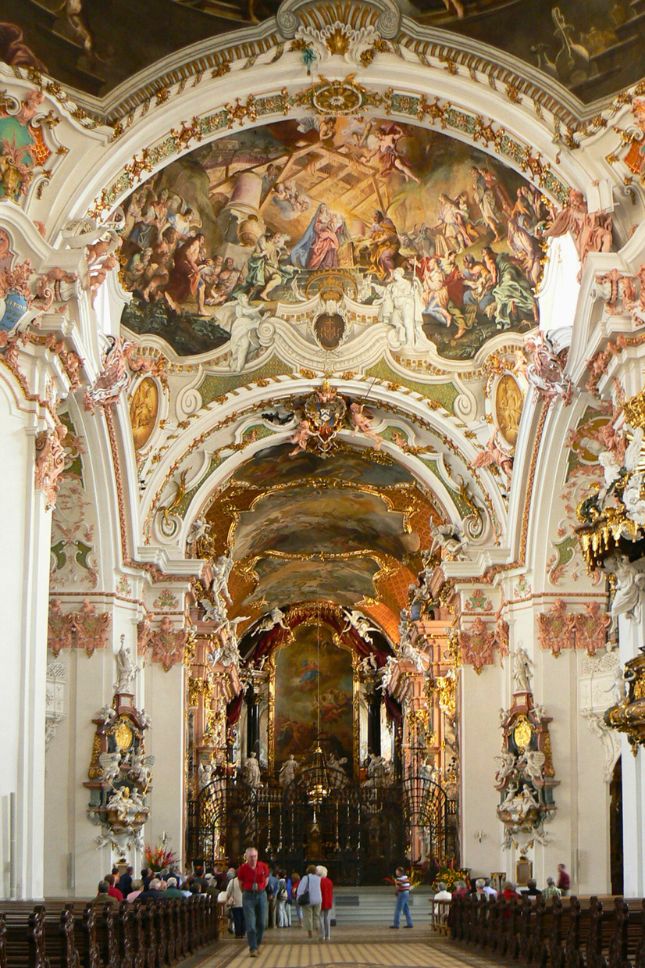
(449, 876)
(159, 858)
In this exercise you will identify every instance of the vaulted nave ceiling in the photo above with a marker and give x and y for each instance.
(592, 48)
(346, 529)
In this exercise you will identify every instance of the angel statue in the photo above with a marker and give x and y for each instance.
(110, 763)
(140, 769)
(521, 671)
(288, 771)
(532, 764)
(221, 569)
(630, 585)
(507, 766)
(275, 618)
(358, 622)
(449, 540)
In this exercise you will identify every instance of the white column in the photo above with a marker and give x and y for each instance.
(24, 576)
(631, 636)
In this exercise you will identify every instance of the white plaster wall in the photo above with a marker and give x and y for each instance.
(165, 740)
(480, 743)
(76, 864)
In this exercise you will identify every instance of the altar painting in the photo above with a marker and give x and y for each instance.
(296, 703)
(260, 221)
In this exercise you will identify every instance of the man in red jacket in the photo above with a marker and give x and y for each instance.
(253, 876)
(564, 881)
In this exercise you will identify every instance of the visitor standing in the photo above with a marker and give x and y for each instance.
(295, 881)
(253, 876)
(309, 899)
(403, 888)
(326, 904)
(564, 881)
(272, 891)
(281, 898)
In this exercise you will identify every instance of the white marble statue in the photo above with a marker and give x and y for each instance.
(507, 767)
(522, 666)
(368, 665)
(387, 672)
(198, 529)
(204, 774)
(620, 684)
(532, 764)
(288, 771)
(276, 617)
(127, 803)
(140, 770)
(213, 611)
(518, 805)
(634, 503)
(110, 763)
(126, 670)
(630, 585)
(358, 622)
(428, 771)
(251, 772)
(106, 714)
(221, 568)
(449, 540)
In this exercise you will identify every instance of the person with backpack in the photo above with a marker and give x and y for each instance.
(309, 898)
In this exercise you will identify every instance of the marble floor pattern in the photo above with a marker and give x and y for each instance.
(351, 947)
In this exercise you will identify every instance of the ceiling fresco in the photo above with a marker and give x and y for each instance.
(328, 236)
(343, 520)
(284, 582)
(270, 466)
(593, 48)
(346, 528)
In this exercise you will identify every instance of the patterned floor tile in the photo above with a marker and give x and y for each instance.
(298, 952)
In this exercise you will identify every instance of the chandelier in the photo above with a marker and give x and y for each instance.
(319, 786)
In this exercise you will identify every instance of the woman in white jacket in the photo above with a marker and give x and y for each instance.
(234, 903)
(311, 882)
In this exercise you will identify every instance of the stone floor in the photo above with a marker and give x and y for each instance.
(351, 947)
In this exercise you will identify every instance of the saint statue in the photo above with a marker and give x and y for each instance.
(126, 670)
(521, 671)
(251, 772)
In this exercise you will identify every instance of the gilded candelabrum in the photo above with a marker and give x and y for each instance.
(607, 526)
(628, 716)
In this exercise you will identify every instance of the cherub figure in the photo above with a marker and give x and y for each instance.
(362, 422)
(493, 454)
(300, 437)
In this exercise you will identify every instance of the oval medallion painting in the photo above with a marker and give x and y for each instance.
(509, 400)
(144, 408)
